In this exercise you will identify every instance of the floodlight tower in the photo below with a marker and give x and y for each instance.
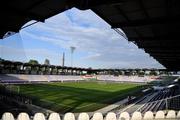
(72, 51)
(63, 59)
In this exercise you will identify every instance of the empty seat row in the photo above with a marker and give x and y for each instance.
(97, 116)
(157, 102)
(123, 78)
(15, 78)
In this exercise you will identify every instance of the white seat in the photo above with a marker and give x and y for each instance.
(83, 116)
(69, 116)
(148, 115)
(124, 116)
(111, 116)
(23, 116)
(54, 116)
(7, 116)
(171, 114)
(160, 115)
(97, 116)
(39, 116)
(178, 115)
(136, 116)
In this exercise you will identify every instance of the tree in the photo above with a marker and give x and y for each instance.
(141, 73)
(153, 72)
(47, 62)
(120, 73)
(33, 62)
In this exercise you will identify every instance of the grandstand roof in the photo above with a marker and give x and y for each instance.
(151, 24)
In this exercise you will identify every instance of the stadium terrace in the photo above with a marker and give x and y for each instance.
(49, 92)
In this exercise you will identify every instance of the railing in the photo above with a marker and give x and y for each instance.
(24, 78)
(170, 103)
(96, 116)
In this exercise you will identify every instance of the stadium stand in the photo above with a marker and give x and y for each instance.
(10, 106)
(160, 115)
(24, 116)
(69, 116)
(125, 78)
(163, 99)
(136, 116)
(54, 116)
(124, 115)
(171, 115)
(97, 116)
(148, 115)
(22, 78)
(17, 78)
(83, 116)
(178, 114)
(111, 116)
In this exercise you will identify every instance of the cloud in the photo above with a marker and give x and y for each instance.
(19, 54)
(92, 36)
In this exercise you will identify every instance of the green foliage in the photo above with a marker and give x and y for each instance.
(33, 62)
(141, 73)
(153, 72)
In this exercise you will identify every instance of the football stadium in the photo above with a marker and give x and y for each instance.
(120, 84)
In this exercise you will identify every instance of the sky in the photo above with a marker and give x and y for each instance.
(97, 45)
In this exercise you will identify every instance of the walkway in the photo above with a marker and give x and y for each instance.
(112, 106)
(133, 107)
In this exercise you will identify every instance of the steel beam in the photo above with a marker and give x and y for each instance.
(150, 21)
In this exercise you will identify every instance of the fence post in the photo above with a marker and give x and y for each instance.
(166, 104)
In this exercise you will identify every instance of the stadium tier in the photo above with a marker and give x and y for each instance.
(155, 104)
(170, 115)
(16, 78)
(61, 92)
(166, 99)
(160, 101)
(21, 78)
(138, 79)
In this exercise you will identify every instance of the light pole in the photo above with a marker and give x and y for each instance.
(72, 51)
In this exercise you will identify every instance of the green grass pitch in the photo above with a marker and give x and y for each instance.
(77, 96)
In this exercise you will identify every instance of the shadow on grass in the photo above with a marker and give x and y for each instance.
(64, 98)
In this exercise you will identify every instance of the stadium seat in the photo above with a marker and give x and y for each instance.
(160, 115)
(69, 116)
(171, 114)
(124, 116)
(136, 116)
(83, 116)
(148, 115)
(54, 116)
(97, 116)
(178, 114)
(39, 116)
(111, 116)
(7, 116)
(23, 116)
